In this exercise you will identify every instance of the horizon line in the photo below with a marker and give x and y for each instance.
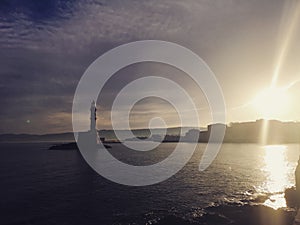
(171, 127)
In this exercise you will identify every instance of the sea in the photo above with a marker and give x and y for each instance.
(41, 186)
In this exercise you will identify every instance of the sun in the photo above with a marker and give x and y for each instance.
(272, 103)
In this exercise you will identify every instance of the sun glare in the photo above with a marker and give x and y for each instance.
(272, 103)
(276, 169)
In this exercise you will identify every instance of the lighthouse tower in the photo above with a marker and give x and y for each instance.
(90, 139)
(93, 117)
(93, 130)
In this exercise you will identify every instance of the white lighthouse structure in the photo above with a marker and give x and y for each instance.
(93, 129)
(93, 117)
(90, 138)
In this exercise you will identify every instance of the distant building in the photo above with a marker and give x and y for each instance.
(192, 135)
(219, 130)
(195, 135)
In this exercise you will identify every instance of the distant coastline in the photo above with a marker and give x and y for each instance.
(246, 132)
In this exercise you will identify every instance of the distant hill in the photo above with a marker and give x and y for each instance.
(246, 132)
(174, 131)
(61, 137)
(273, 131)
(69, 136)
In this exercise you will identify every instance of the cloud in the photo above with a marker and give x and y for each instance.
(46, 47)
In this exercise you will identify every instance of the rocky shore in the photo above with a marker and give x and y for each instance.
(236, 215)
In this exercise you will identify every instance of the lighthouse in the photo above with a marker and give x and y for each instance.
(93, 130)
(93, 117)
(90, 139)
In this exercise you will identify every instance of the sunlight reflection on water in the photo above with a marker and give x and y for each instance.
(277, 170)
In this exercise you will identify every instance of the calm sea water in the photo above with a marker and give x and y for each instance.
(39, 186)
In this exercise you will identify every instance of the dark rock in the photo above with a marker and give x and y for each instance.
(69, 146)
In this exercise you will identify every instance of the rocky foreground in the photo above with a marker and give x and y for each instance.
(236, 215)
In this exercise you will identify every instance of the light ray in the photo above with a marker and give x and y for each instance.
(264, 132)
(286, 42)
(292, 84)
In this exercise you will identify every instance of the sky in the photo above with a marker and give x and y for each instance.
(252, 47)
